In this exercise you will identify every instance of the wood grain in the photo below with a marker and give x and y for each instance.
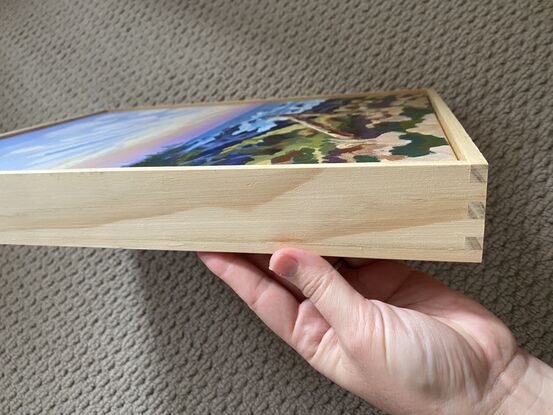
(462, 144)
(389, 211)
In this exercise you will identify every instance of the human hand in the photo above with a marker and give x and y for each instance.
(395, 336)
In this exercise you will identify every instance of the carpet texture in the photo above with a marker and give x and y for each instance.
(97, 331)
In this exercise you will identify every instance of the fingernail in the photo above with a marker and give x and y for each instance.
(285, 266)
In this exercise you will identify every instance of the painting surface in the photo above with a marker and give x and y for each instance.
(380, 128)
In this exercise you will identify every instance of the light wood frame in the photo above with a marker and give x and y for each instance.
(420, 210)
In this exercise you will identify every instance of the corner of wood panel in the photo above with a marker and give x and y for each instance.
(474, 247)
(479, 173)
(458, 138)
(476, 211)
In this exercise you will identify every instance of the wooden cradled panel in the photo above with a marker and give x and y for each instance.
(427, 207)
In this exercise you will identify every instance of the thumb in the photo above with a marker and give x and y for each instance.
(337, 301)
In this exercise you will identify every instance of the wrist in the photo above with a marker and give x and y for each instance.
(525, 386)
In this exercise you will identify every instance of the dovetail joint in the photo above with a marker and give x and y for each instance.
(476, 210)
(479, 174)
(473, 243)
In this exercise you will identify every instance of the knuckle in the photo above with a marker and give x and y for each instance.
(257, 295)
(229, 269)
(317, 286)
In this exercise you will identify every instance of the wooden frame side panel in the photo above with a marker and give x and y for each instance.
(462, 144)
(466, 150)
(387, 211)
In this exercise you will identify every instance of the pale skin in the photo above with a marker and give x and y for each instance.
(394, 336)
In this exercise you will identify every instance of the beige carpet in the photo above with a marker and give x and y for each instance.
(97, 331)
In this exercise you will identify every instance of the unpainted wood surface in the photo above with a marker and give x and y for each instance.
(409, 211)
(462, 144)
